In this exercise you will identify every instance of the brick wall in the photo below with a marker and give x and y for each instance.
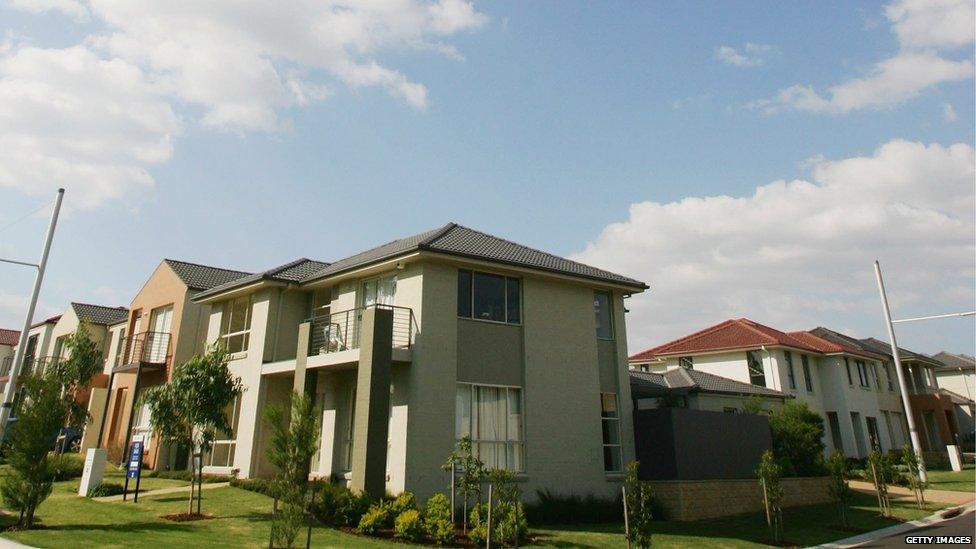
(703, 499)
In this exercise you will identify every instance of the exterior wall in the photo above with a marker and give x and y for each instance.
(962, 383)
(730, 365)
(719, 403)
(704, 499)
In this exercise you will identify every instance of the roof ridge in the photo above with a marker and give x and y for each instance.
(751, 325)
(437, 234)
(73, 303)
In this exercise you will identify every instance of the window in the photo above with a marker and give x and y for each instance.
(142, 425)
(847, 366)
(929, 377)
(492, 417)
(222, 451)
(834, 425)
(686, 362)
(378, 291)
(235, 324)
(730, 410)
(862, 373)
(604, 319)
(484, 296)
(807, 379)
(120, 343)
(891, 380)
(349, 425)
(789, 370)
(321, 303)
(874, 373)
(756, 374)
(610, 418)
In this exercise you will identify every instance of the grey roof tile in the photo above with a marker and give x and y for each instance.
(878, 346)
(100, 314)
(293, 271)
(954, 362)
(682, 380)
(202, 277)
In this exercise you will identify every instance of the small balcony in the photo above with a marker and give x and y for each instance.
(338, 332)
(144, 351)
(32, 365)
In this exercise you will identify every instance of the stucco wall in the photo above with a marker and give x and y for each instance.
(729, 365)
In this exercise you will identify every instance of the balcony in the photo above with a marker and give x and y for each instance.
(145, 351)
(340, 331)
(32, 365)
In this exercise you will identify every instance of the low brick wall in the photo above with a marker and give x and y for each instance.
(704, 499)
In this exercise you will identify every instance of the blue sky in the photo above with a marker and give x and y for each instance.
(542, 122)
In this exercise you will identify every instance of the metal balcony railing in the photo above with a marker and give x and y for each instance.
(149, 348)
(341, 331)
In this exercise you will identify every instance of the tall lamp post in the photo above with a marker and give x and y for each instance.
(890, 324)
(11, 389)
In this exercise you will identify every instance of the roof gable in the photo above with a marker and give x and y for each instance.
(202, 277)
(99, 314)
(293, 272)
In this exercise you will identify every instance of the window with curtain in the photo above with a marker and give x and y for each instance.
(807, 378)
(235, 324)
(610, 419)
(604, 316)
(222, 451)
(484, 296)
(492, 417)
(789, 370)
(756, 374)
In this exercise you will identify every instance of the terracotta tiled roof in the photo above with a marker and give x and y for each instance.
(740, 333)
(9, 337)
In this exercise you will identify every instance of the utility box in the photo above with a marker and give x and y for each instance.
(94, 470)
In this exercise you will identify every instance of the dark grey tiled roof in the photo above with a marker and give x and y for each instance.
(954, 362)
(682, 380)
(100, 314)
(293, 271)
(454, 239)
(202, 277)
(878, 346)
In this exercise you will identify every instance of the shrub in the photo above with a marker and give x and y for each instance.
(337, 506)
(69, 466)
(508, 524)
(437, 520)
(404, 502)
(408, 526)
(550, 508)
(259, 485)
(106, 489)
(378, 516)
(798, 440)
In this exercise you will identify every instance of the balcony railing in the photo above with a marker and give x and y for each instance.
(340, 331)
(147, 348)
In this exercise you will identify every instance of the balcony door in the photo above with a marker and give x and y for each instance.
(378, 291)
(157, 341)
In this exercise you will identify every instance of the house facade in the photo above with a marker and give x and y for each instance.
(8, 343)
(411, 345)
(957, 379)
(162, 327)
(849, 383)
(38, 344)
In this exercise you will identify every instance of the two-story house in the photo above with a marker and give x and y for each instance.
(957, 378)
(411, 345)
(840, 381)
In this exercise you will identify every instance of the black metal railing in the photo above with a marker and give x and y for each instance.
(340, 331)
(145, 348)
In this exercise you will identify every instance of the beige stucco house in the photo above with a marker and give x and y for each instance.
(408, 346)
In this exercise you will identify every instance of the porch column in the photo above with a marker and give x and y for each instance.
(371, 425)
(301, 359)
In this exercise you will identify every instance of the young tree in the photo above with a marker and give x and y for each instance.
(911, 462)
(471, 474)
(189, 409)
(769, 473)
(881, 473)
(293, 443)
(798, 439)
(639, 506)
(50, 403)
(839, 489)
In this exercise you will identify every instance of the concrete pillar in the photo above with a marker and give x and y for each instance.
(301, 359)
(372, 402)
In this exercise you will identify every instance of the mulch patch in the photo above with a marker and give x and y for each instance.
(188, 517)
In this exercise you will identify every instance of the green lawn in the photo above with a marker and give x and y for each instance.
(242, 521)
(963, 481)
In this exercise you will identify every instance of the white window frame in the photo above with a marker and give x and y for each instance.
(616, 420)
(230, 443)
(517, 446)
(348, 429)
(225, 321)
(807, 372)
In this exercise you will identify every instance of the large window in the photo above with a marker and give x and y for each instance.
(484, 296)
(807, 378)
(862, 373)
(756, 374)
(604, 317)
(789, 370)
(235, 324)
(610, 418)
(686, 362)
(891, 379)
(348, 428)
(847, 366)
(221, 454)
(492, 417)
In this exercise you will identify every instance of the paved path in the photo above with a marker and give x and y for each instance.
(163, 491)
(898, 492)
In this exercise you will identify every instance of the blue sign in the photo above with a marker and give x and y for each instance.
(135, 459)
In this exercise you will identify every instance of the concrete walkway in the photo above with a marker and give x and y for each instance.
(164, 491)
(898, 492)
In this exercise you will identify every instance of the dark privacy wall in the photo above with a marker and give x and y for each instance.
(683, 444)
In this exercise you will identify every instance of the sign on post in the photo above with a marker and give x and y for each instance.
(134, 468)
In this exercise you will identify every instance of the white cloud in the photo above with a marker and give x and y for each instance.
(925, 30)
(751, 55)
(97, 116)
(798, 253)
(948, 113)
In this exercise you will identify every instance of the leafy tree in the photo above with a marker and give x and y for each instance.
(770, 473)
(798, 439)
(189, 410)
(293, 443)
(50, 403)
(639, 506)
(839, 489)
(470, 474)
